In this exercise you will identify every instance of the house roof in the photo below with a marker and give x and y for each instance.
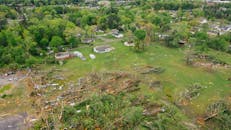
(62, 55)
(115, 31)
(219, 1)
(87, 40)
(102, 47)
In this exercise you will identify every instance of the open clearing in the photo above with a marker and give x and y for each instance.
(177, 77)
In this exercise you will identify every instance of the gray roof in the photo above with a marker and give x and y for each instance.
(87, 40)
(102, 47)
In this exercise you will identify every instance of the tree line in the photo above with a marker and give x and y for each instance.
(219, 11)
(32, 35)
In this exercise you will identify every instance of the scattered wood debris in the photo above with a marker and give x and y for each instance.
(214, 109)
(155, 84)
(149, 70)
(105, 82)
(189, 94)
(208, 61)
(153, 109)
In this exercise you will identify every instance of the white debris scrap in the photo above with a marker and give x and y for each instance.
(79, 54)
(119, 36)
(129, 44)
(92, 56)
(72, 104)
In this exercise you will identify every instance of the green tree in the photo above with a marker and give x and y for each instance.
(140, 36)
(218, 44)
(44, 43)
(3, 22)
(113, 21)
(102, 22)
(56, 42)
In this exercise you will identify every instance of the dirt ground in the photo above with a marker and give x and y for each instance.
(16, 122)
(12, 78)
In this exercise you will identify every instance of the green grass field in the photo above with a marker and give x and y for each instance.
(177, 77)
(4, 88)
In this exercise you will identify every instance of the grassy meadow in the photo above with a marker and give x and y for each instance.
(177, 77)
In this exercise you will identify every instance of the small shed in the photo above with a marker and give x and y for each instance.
(103, 49)
(182, 42)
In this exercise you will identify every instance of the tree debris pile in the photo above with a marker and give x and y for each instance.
(160, 117)
(218, 115)
(208, 61)
(150, 70)
(189, 94)
(119, 111)
(155, 84)
(51, 96)
(106, 111)
(153, 109)
(103, 101)
(110, 82)
(216, 108)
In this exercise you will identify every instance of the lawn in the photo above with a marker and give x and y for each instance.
(177, 76)
(14, 100)
(4, 88)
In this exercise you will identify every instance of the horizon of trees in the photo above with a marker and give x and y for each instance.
(28, 35)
